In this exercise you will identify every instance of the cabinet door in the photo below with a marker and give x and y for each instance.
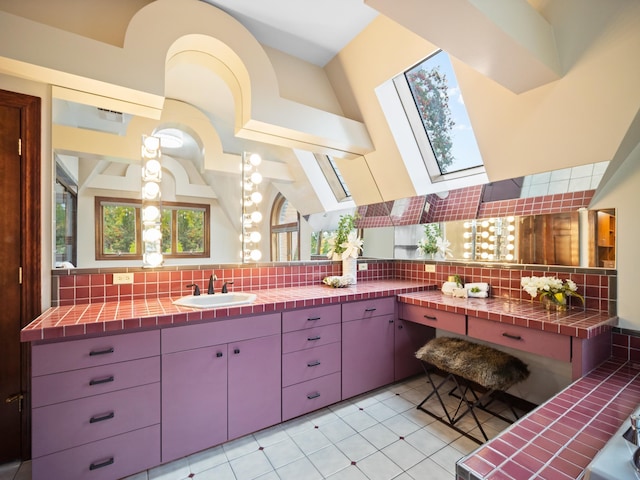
(255, 390)
(409, 337)
(194, 400)
(367, 354)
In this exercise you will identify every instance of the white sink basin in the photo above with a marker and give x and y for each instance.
(216, 300)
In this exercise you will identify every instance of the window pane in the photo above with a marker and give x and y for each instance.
(166, 229)
(118, 229)
(190, 233)
(439, 101)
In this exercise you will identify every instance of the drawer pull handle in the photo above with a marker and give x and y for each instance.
(106, 463)
(513, 337)
(236, 351)
(311, 339)
(311, 319)
(93, 353)
(313, 364)
(100, 381)
(311, 396)
(372, 309)
(431, 317)
(218, 354)
(102, 418)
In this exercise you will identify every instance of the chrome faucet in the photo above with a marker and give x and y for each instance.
(210, 289)
(196, 288)
(224, 286)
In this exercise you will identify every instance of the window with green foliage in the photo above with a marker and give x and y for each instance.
(185, 229)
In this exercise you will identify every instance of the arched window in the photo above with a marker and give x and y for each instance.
(285, 231)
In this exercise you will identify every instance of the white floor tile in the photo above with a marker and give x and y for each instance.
(447, 458)
(401, 425)
(219, 472)
(282, 453)
(207, 459)
(356, 447)
(171, 471)
(379, 467)
(322, 417)
(399, 404)
(425, 442)
(429, 469)
(360, 420)
(251, 466)
(338, 430)
(403, 454)
(298, 425)
(311, 441)
(240, 447)
(380, 411)
(329, 460)
(298, 470)
(350, 473)
(270, 436)
(379, 436)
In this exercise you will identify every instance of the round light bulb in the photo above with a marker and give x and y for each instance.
(510, 247)
(467, 255)
(510, 219)
(485, 224)
(256, 197)
(466, 224)
(485, 255)
(255, 159)
(484, 245)
(255, 255)
(485, 234)
(256, 177)
(492, 238)
(467, 246)
(150, 213)
(151, 190)
(511, 238)
(153, 259)
(467, 235)
(256, 217)
(152, 167)
(511, 228)
(255, 237)
(152, 235)
(509, 257)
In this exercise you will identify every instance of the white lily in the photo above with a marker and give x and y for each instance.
(352, 246)
(443, 247)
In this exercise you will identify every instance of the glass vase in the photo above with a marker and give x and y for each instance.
(349, 267)
(555, 302)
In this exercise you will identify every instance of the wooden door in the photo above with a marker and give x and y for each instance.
(19, 264)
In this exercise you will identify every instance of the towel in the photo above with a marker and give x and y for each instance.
(478, 289)
(448, 287)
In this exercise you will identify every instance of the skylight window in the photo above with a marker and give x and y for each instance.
(434, 106)
(333, 176)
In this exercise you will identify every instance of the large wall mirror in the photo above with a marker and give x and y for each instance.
(96, 153)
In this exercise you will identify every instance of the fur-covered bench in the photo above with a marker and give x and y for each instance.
(470, 365)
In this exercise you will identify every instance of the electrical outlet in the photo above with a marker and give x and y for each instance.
(363, 266)
(430, 268)
(122, 278)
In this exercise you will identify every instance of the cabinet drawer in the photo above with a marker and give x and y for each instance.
(312, 363)
(69, 424)
(547, 344)
(91, 352)
(114, 457)
(60, 387)
(310, 317)
(368, 308)
(218, 332)
(309, 396)
(310, 338)
(451, 322)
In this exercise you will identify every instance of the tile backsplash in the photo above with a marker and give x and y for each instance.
(81, 286)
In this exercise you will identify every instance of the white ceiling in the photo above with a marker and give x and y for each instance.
(313, 30)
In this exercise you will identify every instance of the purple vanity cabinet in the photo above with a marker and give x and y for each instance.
(367, 345)
(408, 339)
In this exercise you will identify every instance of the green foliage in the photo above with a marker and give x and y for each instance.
(119, 229)
(429, 244)
(430, 89)
(346, 225)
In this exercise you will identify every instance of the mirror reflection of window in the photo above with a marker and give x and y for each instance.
(66, 225)
(285, 231)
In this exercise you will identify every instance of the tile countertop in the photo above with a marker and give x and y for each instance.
(112, 317)
(530, 314)
(558, 439)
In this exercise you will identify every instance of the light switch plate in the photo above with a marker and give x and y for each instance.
(429, 267)
(122, 278)
(363, 266)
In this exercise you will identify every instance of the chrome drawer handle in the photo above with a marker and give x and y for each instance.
(108, 416)
(311, 339)
(513, 337)
(218, 354)
(431, 317)
(106, 463)
(311, 319)
(93, 353)
(311, 396)
(102, 380)
(313, 364)
(373, 309)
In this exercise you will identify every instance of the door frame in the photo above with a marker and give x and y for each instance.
(31, 248)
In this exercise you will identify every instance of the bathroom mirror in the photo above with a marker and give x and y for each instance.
(90, 170)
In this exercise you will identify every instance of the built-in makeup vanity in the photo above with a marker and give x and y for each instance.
(120, 387)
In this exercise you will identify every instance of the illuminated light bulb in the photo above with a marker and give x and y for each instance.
(256, 177)
(509, 257)
(255, 255)
(255, 237)
(511, 238)
(152, 167)
(151, 143)
(467, 255)
(491, 257)
(485, 224)
(485, 234)
(492, 246)
(467, 246)
(467, 235)
(510, 247)
(256, 197)
(492, 228)
(248, 186)
(153, 259)
(510, 219)
(151, 190)
(484, 245)
(492, 220)
(484, 255)
(247, 167)
(511, 228)
(466, 224)
(256, 217)
(255, 159)
(152, 235)
(492, 238)
(150, 213)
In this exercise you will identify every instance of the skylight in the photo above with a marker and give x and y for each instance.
(333, 176)
(434, 106)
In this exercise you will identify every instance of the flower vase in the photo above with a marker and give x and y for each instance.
(557, 302)
(349, 267)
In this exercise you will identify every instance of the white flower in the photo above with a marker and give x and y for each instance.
(352, 246)
(549, 286)
(443, 247)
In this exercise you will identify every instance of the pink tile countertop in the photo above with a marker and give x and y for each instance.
(530, 314)
(112, 317)
(558, 440)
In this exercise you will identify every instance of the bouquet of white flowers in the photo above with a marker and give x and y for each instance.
(551, 288)
(345, 243)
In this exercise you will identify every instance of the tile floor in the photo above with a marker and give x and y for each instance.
(377, 436)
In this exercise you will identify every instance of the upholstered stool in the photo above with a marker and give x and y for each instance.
(478, 372)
